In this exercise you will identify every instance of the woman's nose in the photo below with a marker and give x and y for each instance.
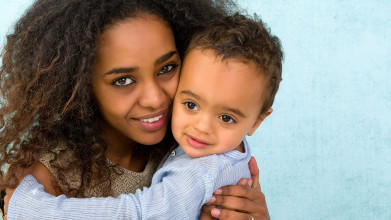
(152, 95)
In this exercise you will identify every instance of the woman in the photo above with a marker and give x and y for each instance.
(88, 105)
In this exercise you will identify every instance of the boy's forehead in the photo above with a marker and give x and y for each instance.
(228, 80)
(206, 64)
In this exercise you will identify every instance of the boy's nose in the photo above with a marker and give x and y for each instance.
(203, 124)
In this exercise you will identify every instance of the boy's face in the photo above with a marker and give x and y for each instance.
(217, 103)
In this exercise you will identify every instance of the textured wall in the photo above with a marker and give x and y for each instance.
(325, 152)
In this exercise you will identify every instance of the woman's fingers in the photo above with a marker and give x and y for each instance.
(236, 203)
(240, 199)
(242, 191)
(205, 212)
(254, 171)
(243, 201)
(226, 214)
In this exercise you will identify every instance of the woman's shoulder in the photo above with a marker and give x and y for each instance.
(54, 163)
(43, 175)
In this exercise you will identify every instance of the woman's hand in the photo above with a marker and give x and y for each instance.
(242, 201)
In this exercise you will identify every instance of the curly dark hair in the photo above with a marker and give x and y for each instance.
(247, 38)
(45, 80)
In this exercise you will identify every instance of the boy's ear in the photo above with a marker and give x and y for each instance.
(259, 121)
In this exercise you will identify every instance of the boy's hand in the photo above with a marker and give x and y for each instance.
(7, 197)
(241, 201)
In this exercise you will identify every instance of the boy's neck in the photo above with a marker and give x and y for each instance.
(240, 148)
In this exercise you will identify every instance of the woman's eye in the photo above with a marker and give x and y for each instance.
(227, 119)
(191, 105)
(167, 69)
(123, 81)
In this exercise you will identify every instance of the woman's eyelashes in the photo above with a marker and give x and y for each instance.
(169, 68)
(127, 80)
(123, 81)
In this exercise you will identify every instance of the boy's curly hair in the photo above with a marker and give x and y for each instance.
(46, 96)
(247, 39)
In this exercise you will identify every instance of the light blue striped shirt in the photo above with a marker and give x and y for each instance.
(178, 191)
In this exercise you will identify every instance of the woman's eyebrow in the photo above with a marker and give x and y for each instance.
(165, 57)
(159, 61)
(122, 70)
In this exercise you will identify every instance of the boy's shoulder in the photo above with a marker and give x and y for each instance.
(178, 159)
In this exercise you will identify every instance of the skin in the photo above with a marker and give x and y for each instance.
(217, 103)
(135, 77)
(203, 112)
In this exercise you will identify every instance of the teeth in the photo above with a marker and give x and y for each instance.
(150, 120)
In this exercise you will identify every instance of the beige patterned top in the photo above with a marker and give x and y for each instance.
(127, 182)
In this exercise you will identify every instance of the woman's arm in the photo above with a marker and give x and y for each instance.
(240, 201)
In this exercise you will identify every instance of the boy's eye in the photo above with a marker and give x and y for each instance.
(227, 119)
(167, 68)
(191, 105)
(123, 81)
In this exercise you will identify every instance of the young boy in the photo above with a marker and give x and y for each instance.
(229, 79)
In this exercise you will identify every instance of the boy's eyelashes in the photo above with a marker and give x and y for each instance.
(225, 118)
(128, 80)
(191, 105)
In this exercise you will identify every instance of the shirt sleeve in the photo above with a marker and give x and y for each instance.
(179, 196)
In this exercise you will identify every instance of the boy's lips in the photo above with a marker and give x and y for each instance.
(196, 143)
(152, 122)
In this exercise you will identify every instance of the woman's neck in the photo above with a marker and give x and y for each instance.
(123, 151)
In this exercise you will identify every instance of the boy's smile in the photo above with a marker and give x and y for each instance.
(217, 103)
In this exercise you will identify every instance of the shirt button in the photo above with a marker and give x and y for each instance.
(173, 153)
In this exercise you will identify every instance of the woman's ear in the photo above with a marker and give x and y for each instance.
(259, 121)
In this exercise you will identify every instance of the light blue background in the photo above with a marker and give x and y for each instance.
(325, 152)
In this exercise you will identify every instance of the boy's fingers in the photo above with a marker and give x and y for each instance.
(7, 197)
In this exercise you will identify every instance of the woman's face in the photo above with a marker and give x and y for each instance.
(135, 79)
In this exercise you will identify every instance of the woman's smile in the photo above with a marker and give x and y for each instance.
(135, 79)
(153, 122)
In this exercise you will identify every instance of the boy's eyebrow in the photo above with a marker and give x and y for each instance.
(234, 110)
(189, 93)
(159, 61)
(165, 57)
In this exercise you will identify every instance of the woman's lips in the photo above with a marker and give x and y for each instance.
(152, 122)
(197, 143)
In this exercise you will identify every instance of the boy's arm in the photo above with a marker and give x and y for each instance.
(180, 195)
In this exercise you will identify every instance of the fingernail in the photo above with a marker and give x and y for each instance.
(219, 191)
(213, 199)
(215, 212)
(244, 182)
(250, 183)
